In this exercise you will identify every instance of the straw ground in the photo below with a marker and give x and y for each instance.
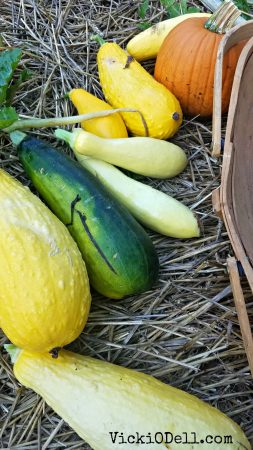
(185, 330)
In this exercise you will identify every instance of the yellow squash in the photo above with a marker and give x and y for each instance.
(108, 127)
(126, 84)
(153, 208)
(142, 155)
(100, 401)
(44, 288)
(146, 44)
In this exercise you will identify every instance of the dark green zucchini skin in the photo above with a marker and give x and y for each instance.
(119, 255)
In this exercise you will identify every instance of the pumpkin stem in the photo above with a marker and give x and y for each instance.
(223, 18)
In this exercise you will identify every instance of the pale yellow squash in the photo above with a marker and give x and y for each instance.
(153, 208)
(100, 401)
(146, 45)
(142, 155)
(126, 84)
(44, 288)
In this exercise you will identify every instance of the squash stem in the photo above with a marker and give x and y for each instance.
(66, 136)
(63, 121)
(17, 137)
(13, 351)
(98, 39)
(223, 18)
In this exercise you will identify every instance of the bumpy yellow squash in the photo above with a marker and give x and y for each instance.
(107, 127)
(126, 84)
(44, 288)
(146, 45)
(104, 402)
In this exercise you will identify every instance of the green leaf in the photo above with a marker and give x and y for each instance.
(167, 3)
(143, 8)
(193, 9)
(8, 115)
(9, 60)
(176, 8)
(144, 25)
(12, 89)
(174, 11)
(172, 8)
(243, 5)
(183, 7)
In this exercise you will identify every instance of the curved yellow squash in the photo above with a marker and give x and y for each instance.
(103, 402)
(126, 84)
(107, 127)
(44, 288)
(146, 45)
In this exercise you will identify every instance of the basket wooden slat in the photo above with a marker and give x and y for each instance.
(232, 37)
(234, 199)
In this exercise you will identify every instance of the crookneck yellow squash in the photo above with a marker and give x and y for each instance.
(102, 401)
(106, 127)
(44, 288)
(126, 84)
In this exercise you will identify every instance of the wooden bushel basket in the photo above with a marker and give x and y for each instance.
(233, 201)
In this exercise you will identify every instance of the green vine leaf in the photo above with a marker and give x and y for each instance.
(176, 8)
(193, 9)
(244, 6)
(144, 25)
(8, 116)
(14, 86)
(9, 60)
(143, 8)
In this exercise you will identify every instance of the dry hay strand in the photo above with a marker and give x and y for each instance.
(185, 330)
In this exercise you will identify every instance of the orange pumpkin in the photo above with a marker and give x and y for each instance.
(186, 61)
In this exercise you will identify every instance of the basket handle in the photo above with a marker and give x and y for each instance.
(232, 37)
(241, 310)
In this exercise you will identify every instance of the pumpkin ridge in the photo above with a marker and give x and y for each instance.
(209, 85)
(176, 67)
(184, 85)
(193, 80)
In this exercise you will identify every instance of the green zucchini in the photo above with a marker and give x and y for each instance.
(120, 257)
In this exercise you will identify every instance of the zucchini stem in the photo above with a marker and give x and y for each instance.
(63, 121)
(13, 351)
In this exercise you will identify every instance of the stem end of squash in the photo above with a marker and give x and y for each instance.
(98, 39)
(64, 135)
(17, 137)
(13, 351)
